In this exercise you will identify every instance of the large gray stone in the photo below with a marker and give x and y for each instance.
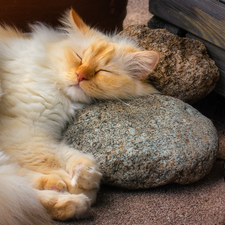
(146, 142)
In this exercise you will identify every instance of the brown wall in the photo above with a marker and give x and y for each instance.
(104, 14)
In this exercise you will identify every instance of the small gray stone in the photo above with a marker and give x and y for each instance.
(146, 142)
(184, 71)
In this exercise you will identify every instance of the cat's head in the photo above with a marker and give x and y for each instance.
(101, 66)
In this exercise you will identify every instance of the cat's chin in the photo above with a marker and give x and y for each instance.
(76, 94)
(75, 86)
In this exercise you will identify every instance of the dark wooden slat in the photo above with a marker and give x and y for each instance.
(220, 86)
(204, 18)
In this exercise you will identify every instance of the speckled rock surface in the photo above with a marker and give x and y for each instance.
(185, 70)
(146, 142)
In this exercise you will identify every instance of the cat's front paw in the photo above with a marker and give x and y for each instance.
(86, 177)
(65, 206)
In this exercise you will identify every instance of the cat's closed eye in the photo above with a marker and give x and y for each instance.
(79, 57)
(102, 70)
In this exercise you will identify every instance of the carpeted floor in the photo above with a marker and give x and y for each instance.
(201, 203)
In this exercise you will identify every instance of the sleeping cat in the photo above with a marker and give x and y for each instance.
(44, 78)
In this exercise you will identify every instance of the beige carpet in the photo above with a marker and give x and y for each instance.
(201, 203)
(137, 12)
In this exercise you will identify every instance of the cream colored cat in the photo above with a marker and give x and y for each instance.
(45, 77)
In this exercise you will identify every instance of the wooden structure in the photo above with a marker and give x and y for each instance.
(203, 20)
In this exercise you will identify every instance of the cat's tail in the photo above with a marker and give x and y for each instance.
(18, 202)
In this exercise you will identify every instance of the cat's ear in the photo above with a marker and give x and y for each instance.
(142, 63)
(73, 22)
(75, 18)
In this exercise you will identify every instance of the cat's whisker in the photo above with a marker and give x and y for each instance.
(117, 98)
(122, 101)
(96, 100)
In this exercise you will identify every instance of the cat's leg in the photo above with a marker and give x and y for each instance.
(84, 171)
(64, 206)
(53, 193)
(78, 170)
(84, 177)
(49, 181)
(86, 180)
(59, 204)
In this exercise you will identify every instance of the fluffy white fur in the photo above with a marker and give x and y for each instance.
(40, 176)
(16, 193)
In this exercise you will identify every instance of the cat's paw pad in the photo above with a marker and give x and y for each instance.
(86, 177)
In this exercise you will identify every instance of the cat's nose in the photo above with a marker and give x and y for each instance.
(81, 77)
